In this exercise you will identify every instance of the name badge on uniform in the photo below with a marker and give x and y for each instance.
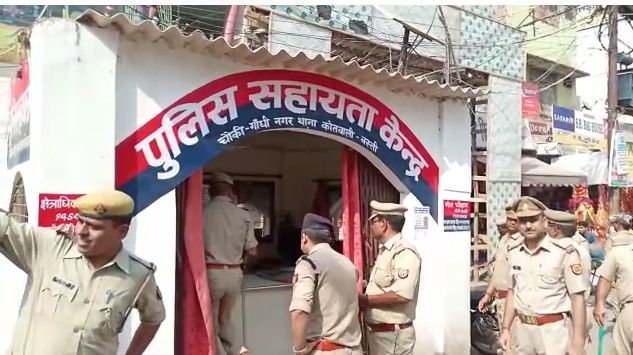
(516, 267)
(67, 284)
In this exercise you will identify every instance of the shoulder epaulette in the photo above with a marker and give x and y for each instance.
(305, 258)
(147, 264)
(564, 244)
(515, 244)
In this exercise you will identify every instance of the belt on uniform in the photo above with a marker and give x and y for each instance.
(324, 345)
(541, 319)
(384, 327)
(223, 266)
(502, 294)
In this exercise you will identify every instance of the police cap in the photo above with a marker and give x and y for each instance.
(105, 204)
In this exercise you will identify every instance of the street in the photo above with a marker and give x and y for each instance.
(607, 347)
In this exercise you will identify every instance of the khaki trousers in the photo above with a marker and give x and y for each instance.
(226, 287)
(399, 342)
(623, 331)
(500, 307)
(548, 339)
(347, 351)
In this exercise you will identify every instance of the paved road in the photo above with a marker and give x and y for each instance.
(607, 347)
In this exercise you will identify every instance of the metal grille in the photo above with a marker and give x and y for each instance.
(18, 208)
(373, 186)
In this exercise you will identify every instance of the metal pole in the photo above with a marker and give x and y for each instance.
(612, 96)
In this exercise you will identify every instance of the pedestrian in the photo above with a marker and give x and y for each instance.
(563, 225)
(498, 285)
(392, 291)
(617, 268)
(546, 285)
(83, 283)
(228, 240)
(324, 306)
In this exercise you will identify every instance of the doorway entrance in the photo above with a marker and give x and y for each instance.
(280, 176)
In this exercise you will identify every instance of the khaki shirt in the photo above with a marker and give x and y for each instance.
(326, 289)
(501, 270)
(580, 240)
(582, 247)
(618, 239)
(70, 308)
(227, 232)
(257, 218)
(618, 266)
(543, 280)
(397, 270)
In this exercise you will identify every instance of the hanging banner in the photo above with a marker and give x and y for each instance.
(19, 125)
(530, 100)
(57, 209)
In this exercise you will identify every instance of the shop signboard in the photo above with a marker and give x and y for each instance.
(582, 129)
(530, 101)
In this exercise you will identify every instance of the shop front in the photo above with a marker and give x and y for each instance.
(152, 112)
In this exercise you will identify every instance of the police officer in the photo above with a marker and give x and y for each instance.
(563, 225)
(621, 224)
(547, 283)
(228, 238)
(392, 292)
(83, 285)
(324, 306)
(617, 267)
(498, 285)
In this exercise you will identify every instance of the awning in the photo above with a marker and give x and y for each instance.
(595, 165)
(241, 53)
(538, 173)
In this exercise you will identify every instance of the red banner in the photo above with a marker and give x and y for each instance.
(530, 101)
(57, 209)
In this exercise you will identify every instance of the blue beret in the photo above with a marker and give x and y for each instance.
(316, 222)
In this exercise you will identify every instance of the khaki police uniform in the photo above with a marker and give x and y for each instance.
(499, 278)
(618, 267)
(542, 282)
(566, 219)
(623, 237)
(397, 270)
(324, 286)
(227, 234)
(71, 308)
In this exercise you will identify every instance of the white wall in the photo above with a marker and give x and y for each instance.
(132, 81)
(442, 311)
